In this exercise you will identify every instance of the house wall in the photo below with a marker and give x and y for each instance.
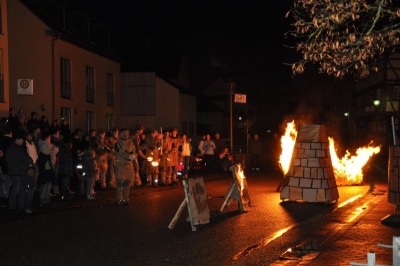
(167, 107)
(149, 101)
(31, 57)
(4, 69)
(187, 113)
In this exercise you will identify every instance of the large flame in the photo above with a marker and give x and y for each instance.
(348, 169)
(287, 142)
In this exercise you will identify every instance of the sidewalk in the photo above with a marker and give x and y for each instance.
(355, 233)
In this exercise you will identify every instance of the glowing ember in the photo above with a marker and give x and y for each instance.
(287, 141)
(348, 170)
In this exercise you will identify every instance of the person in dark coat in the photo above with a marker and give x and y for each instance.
(65, 169)
(65, 129)
(44, 124)
(21, 172)
(33, 122)
(5, 142)
(13, 121)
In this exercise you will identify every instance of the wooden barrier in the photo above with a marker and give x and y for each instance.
(238, 189)
(196, 201)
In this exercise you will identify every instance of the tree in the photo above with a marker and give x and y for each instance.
(345, 36)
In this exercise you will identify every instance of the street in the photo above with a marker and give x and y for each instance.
(82, 232)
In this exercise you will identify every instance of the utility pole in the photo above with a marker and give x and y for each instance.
(231, 88)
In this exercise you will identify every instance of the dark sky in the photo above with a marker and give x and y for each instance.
(241, 40)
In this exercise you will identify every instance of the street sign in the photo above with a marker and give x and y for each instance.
(25, 86)
(240, 98)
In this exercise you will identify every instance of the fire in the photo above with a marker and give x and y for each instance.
(348, 169)
(242, 177)
(287, 141)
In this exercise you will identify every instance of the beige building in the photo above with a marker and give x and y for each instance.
(154, 103)
(55, 71)
(59, 63)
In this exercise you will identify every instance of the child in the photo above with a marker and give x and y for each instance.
(90, 170)
(46, 175)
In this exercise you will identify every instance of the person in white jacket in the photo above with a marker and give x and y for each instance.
(33, 153)
(186, 153)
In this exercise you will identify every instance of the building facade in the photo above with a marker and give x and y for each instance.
(376, 112)
(154, 103)
(56, 73)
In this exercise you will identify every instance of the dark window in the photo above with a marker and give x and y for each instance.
(90, 120)
(110, 89)
(90, 93)
(65, 76)
(1, 88)
(1, 21)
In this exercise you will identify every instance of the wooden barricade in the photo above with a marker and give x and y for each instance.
(196, 201)
(238, 189)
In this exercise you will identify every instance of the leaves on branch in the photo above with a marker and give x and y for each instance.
(345, 36)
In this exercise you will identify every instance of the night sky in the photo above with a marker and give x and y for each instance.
(241, 40)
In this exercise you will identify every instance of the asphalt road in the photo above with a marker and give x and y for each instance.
(82, 232)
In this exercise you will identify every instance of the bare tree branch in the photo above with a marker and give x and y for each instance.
(345, 36)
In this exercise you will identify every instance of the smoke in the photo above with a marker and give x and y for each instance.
(317, 103)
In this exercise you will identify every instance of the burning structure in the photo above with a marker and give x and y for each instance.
(310, 176)
(312, 168)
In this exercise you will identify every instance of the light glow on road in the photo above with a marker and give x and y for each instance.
(262, 243)
(349, 201)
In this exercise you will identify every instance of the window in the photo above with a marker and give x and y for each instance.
(65, 76)
(90, 84)
(1, 21)
(1, 76)
(90, 120)
(191, 129)
(396, 92)
(110, 89)
(184, 127)
(110, 121)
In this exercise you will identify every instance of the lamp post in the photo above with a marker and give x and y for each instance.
(231, 88)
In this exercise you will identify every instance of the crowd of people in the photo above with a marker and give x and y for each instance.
(51, 160)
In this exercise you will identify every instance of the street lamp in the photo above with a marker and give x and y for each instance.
(231, 88)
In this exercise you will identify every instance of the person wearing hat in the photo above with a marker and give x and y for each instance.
(21, 172)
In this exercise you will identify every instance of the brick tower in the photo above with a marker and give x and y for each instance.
(310, 176)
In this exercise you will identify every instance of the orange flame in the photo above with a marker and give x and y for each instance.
(287, 142)
(348, 169)
(242, 177)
